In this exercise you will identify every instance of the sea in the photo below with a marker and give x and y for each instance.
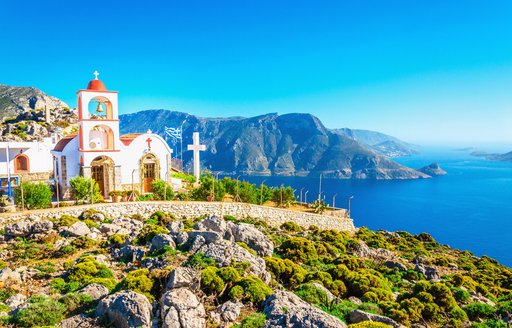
(470, 208)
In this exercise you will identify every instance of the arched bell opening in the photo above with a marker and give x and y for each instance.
(101, 137)
(100, 108)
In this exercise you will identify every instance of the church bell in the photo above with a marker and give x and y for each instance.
(99, 109)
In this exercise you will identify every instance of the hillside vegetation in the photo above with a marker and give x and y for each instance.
(93, 271)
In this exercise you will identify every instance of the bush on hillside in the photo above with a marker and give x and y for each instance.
(81, 188)
(162, 190)
(35, 195)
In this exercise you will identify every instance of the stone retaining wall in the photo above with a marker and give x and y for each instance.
(273, 216)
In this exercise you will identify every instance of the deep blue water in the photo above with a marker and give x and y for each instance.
(469, 208)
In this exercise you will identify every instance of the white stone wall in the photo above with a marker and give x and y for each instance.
(272, 215)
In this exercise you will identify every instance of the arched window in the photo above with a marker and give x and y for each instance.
(21, 163)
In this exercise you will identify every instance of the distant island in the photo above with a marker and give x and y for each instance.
(507, 157)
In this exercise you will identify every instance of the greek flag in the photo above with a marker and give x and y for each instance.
(173, 132)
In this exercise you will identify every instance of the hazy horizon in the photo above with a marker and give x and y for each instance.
(431, 72)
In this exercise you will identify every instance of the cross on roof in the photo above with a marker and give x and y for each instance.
(148, 140)
(96, 74)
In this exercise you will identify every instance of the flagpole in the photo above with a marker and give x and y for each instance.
(9, 187)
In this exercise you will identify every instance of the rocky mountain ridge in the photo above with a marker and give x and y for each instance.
(272, 144)
(28, 114)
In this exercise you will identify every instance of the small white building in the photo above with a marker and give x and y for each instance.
(30, 161)
(98, 151)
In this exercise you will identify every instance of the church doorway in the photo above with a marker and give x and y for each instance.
(102, 171)
(150, 168)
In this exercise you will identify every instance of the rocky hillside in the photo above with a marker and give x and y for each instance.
(160, 271)
(291, 144)
(379, 142)
(22, 114)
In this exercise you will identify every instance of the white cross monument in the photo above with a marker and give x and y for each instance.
(196, 147)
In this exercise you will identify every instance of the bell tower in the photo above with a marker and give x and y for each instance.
(98, 120)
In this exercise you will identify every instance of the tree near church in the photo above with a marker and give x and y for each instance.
(283, 197)
(33, 195)
(162, 190)
(81, 188)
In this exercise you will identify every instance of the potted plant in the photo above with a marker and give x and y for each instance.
(115, 195)
(125, 195)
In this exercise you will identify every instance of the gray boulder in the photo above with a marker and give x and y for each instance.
(125, 309)
(42, 227)
(395, 265)
(209, 236)
(360, 316)
(130, 253)
(9, 278)
(77, 229)
(212, 223)
(254, 238)
(285, 309)
(131, 226)
(160, 241)
(182, 309)
(181, 238)
(18, 229)
(229, 311)
(330, 296)
(224, 252)
(355, 300)
(184, 277)
(175, 226)
(360, 249)
(196, 243)
(95, 291)
(15, 301)
(429, 272)
(80, 321)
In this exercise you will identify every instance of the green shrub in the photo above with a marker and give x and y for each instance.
(244, 245)
(66, 221)
(255, 290)
(76, 302)
(285, 271)
(368, 324)
(236, 293)
(3, 264)
(312, 294)
(211, 283)
(87, 271)
(291, 226)
(228, 274)
(149, 231)
(81, 188)
(199, 261)
(117, 239)
(83, 242)
(476, 311)
(162, 190)
(35, 195)
(299, 249)
(60, 285)
(91, 224)
(41, 311)
(255, 320)
(139, 281)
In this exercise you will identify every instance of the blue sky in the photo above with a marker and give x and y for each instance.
(425, 71)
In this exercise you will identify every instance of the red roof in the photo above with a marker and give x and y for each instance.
(63, 142)
(127, 139)
(96, 85)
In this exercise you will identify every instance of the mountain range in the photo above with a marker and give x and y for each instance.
(271, 144)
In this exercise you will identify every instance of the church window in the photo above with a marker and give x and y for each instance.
(21, 163)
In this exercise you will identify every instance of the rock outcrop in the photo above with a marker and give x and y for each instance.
(285, 309)
(182, 309)
(125, 309)
(357, 316)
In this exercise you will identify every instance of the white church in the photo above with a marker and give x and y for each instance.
(98, 150)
